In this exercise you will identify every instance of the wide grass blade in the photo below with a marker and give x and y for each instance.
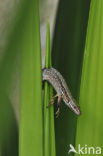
(90, 124)
(8, 127)
(68, 49)
(8, 64)
(30, 140)
(49, 134)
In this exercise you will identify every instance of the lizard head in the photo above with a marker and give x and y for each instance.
(73, 106)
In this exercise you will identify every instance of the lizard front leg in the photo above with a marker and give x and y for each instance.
(58, 105)
(53, 100)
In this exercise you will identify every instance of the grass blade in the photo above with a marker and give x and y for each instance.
(30, 140)
(49, 134)
(68, 49)
(91, 99)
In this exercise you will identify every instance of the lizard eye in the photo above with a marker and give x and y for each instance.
(75, 107)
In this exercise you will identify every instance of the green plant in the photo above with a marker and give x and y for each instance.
(31, 131)
(68, 51)
(71, 54)
(90, 123)
(49, 134)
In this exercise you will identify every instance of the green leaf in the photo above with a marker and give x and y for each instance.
(8, 127)
(68, 49)
(8, 64)
(30, 139)
(49, 134)
(90, 127)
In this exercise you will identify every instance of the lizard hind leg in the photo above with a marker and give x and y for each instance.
(58, 105)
